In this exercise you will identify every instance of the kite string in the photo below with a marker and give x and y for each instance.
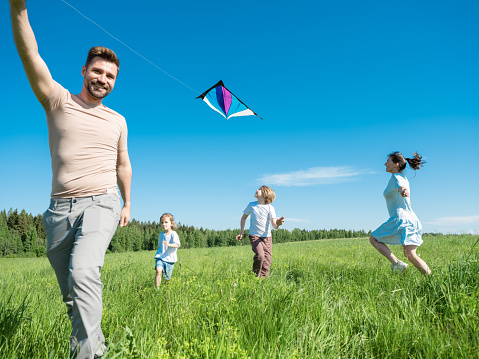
(129, 48)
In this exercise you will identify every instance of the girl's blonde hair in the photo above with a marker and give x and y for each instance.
(268, 194)
(170, 217)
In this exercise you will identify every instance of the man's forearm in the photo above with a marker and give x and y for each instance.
(124, 183)
(22, 31)
(37, 71)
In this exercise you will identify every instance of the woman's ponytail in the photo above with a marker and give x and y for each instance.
(416, 162)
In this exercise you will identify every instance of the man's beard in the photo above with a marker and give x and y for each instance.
(98, 95)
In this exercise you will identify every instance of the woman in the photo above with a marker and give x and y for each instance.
(403, 227)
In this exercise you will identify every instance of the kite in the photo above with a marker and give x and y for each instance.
(222, 100)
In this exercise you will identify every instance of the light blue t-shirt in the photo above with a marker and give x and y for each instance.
(398, 206)
(260, 221)
(167, 254)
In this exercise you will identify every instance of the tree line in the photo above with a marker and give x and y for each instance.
(23, 235)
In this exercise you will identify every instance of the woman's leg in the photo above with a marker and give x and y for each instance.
(410, 253)
(383, 249)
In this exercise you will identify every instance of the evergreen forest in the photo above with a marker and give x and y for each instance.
(23, 235)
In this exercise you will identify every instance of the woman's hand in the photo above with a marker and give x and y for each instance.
(404, 191)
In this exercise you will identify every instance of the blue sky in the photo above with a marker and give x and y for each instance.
(339, 84)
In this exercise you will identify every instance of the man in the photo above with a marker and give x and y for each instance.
(88, 146)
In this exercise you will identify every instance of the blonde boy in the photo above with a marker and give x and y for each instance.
(263, 217)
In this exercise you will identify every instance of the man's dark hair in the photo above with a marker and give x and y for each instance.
(104, 53)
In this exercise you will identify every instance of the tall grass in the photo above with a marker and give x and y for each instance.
(324, 299)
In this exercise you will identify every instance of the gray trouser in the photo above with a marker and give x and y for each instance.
(79, 231)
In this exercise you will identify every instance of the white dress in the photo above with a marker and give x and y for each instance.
(403, 227)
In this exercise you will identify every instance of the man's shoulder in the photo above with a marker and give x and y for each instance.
(114, 113)
(57, 98)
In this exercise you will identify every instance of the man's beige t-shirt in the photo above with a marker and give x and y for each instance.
(84, 144)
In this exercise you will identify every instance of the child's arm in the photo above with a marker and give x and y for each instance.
(171, 245)
(243, 221)
(277, 222)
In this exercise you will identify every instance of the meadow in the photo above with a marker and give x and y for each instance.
(324, 299)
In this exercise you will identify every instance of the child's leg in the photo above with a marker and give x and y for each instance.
(168, 268)
(383, 249)
(159, 271)
(268, 253)
(410, 253)
(258, 250)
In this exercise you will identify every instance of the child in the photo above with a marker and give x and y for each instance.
(262, 215)
(168, 243)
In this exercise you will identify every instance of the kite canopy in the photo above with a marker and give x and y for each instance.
(222, 100)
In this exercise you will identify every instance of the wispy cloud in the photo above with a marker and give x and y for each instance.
(313, 176)
(454, 221)
(296, 220)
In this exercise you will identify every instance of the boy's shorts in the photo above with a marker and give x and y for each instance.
(166, 266)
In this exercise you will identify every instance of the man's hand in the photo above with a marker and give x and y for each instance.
(18, 4)
(125, 216)
(239, 236)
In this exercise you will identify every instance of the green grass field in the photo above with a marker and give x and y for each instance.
(324, 299)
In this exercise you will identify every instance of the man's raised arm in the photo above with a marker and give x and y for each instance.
(37, 71)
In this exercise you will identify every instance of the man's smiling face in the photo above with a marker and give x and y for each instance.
(99, 77)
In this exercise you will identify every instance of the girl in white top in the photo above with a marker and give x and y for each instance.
(263, 217)
(402, 227)
(168, 243)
